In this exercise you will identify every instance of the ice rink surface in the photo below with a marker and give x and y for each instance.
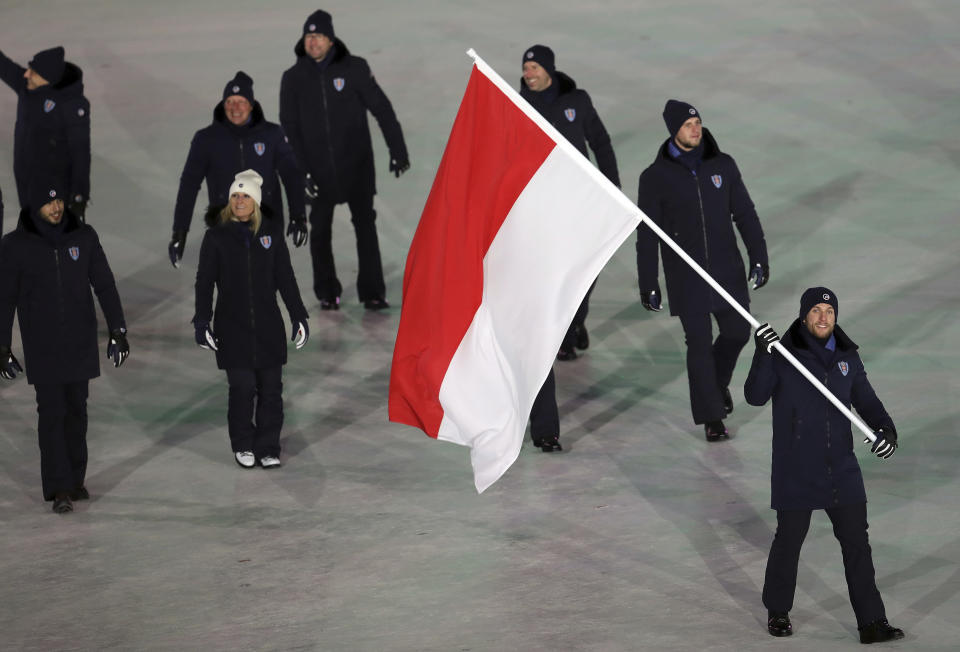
(843, 118)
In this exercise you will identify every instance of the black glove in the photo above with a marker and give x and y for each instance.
(759, 275)
(765, 337)
(298, 229)
(117, 347)
(886, 444)
(310, 187)
(175, 249)
(302, 334)
(9, 365)
(78, 206)
(204, 336)
(650, 299)
(399, 165)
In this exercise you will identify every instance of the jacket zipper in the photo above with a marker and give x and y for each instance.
(703, 224)
(56, 257)
(243, 165)
(253, 320)
(326, 122)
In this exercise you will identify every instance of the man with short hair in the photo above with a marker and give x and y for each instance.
(814, 466)
(239, 138)
(694, 192)
(52, 132)
(324, 100)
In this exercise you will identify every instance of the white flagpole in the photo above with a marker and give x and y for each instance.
(589, 168)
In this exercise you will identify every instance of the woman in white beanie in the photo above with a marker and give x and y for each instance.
(248, 267)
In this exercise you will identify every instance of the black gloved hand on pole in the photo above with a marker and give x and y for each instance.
(765, 337)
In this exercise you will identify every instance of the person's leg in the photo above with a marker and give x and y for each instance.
(326, 285)
(240, 404)
(850, 528)
(56, 473)
(545, 417)
(75, 433)
(706, 399)
(269, 412)
(780, 580)
(370, 283)
(733, 334)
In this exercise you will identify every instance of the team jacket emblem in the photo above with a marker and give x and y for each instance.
(717, 180)
(571, 114)
(339, 83)
(74, 252)
(48, 106)
(259, 148)
(844, 367)
(266, 241)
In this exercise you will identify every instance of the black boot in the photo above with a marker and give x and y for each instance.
(62, 504)
(879, 631)
(715, 430)
(727, 400)
(778, 623)
(80, 493)
(548, 445)
(583, 338)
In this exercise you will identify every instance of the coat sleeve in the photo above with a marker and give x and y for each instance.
(9, 290)
(745, 216)
(648, 262)
(599, 141)
(286, 283)
(761, 380)
(105, 287)
(77, 120)
(866, 402)
(290, 118)
(11, 73)
(207, 267)
(291, 174)
(194, 171)
(377, 103)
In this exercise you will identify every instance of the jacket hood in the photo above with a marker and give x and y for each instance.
(564, 82)
(710, 147)
(798, 342)
(340, 53)
(72, 74)
(212, 217)
(219, 115)
(25, 223)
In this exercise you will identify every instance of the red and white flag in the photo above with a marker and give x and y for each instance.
(517, 226)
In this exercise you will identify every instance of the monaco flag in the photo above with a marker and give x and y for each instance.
(517, 226)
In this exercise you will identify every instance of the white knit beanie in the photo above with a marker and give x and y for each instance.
(248, 182)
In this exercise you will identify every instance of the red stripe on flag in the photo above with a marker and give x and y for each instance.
(493, 151)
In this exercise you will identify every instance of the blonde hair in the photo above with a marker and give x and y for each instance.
(226, 214)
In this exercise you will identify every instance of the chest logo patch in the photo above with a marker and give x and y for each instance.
(339, 83)
(717, 180)
(48, 106)
(266, 241)
(74, 252)
(259, 148)
(844, 367)
(571, 114)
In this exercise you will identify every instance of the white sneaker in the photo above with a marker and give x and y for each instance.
(246, 459)
(270, 462)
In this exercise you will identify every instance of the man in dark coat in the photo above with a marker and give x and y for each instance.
(694, 192)
(324, 99)
(569, 109)
(814, 466)
(47, 267)
(52, 133)
(239, 138)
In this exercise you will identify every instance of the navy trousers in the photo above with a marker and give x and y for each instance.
(255, 410)
(62, 431)
(326, 285)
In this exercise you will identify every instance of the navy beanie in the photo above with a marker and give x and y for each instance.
(44, 190)
(816, 295)
(675, 113)
(49, 64)
(241, 84)
(319, 22)
(543, 56)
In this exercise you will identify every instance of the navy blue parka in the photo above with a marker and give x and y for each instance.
(247, 270)
(698, 212)
(814, 465)
(47, 283)
(573, 115)
(52, 132)
(221, 150)
(323, 110)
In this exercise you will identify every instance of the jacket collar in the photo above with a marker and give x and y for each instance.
(710, 148)
(256, 116)
(340, 53)
(25, 223)
(799, 343)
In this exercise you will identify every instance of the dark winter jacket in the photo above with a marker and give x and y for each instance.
(323, 110)
(814, 466)
(248, 270)
(573, 115)
(52, 132)
(47, 282)
(697, 211)
(219, 151)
